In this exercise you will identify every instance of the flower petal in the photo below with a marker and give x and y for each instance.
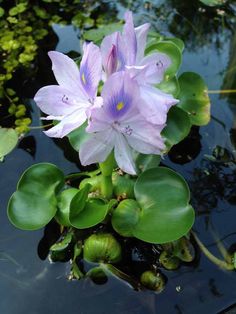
(109, 47)
(128, 42)
(155, 104)
(119, 94)
(143, 136)
(66, 72)
(156, 65)
(98, 120)
(68, 124)
(91, 69)
(56, 100)
(97, 147)
(141, 35)
(123, 154)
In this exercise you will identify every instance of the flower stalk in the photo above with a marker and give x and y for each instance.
(106, 168)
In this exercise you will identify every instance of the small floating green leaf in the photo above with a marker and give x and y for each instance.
(8, 141)
(194, 98)
(177, 128)
(34, 203)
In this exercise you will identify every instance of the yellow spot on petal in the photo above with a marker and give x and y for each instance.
(120, 105)
(83, 78)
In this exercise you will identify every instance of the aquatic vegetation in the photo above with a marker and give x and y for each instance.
(23, 26)
(123, 109)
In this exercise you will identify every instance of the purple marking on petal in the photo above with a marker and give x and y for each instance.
(119, 104)
(119, 94)
(90, 69)
(85, 76)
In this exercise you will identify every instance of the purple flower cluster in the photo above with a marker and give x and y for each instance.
(130, 113)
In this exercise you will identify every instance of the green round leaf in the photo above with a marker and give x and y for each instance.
(93, 212)
(78, 136)
(85, 212)
(123, 185)
(125, 217)
(170, 86)
(194, 98)
(144, 162)
(34, 203)
(64, 200)
(170, 49)
(9, 139)
(177, 128)
(166, 214)
(177, 41)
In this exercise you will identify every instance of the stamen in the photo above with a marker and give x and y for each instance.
(120, 105)
(159, 64)
(83, 78)
(65, 99)
(128, 130)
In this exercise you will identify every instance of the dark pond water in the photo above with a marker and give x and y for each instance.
(30, 285)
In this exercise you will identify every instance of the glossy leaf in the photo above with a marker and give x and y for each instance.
(166, 214)
(177, 41)
(93, 213)
(125, 217)
(78, 202)
(78, 136)
(34, 203)
(144, 162)
(8, 141)
(64, 200)
(123, 185)
(177, 128)
(194, 98)
(172, 51)
(62, 244)
(170, 86)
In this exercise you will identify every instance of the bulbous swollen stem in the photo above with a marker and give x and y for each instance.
(106, 168)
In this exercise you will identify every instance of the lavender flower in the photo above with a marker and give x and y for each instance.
(125, 52)
(117, 124)
(69, 101)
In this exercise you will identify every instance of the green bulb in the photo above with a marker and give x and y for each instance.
(102, 248)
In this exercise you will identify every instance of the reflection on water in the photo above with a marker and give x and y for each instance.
(206, 159)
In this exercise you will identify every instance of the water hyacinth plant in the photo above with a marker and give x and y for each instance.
(123, 109)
